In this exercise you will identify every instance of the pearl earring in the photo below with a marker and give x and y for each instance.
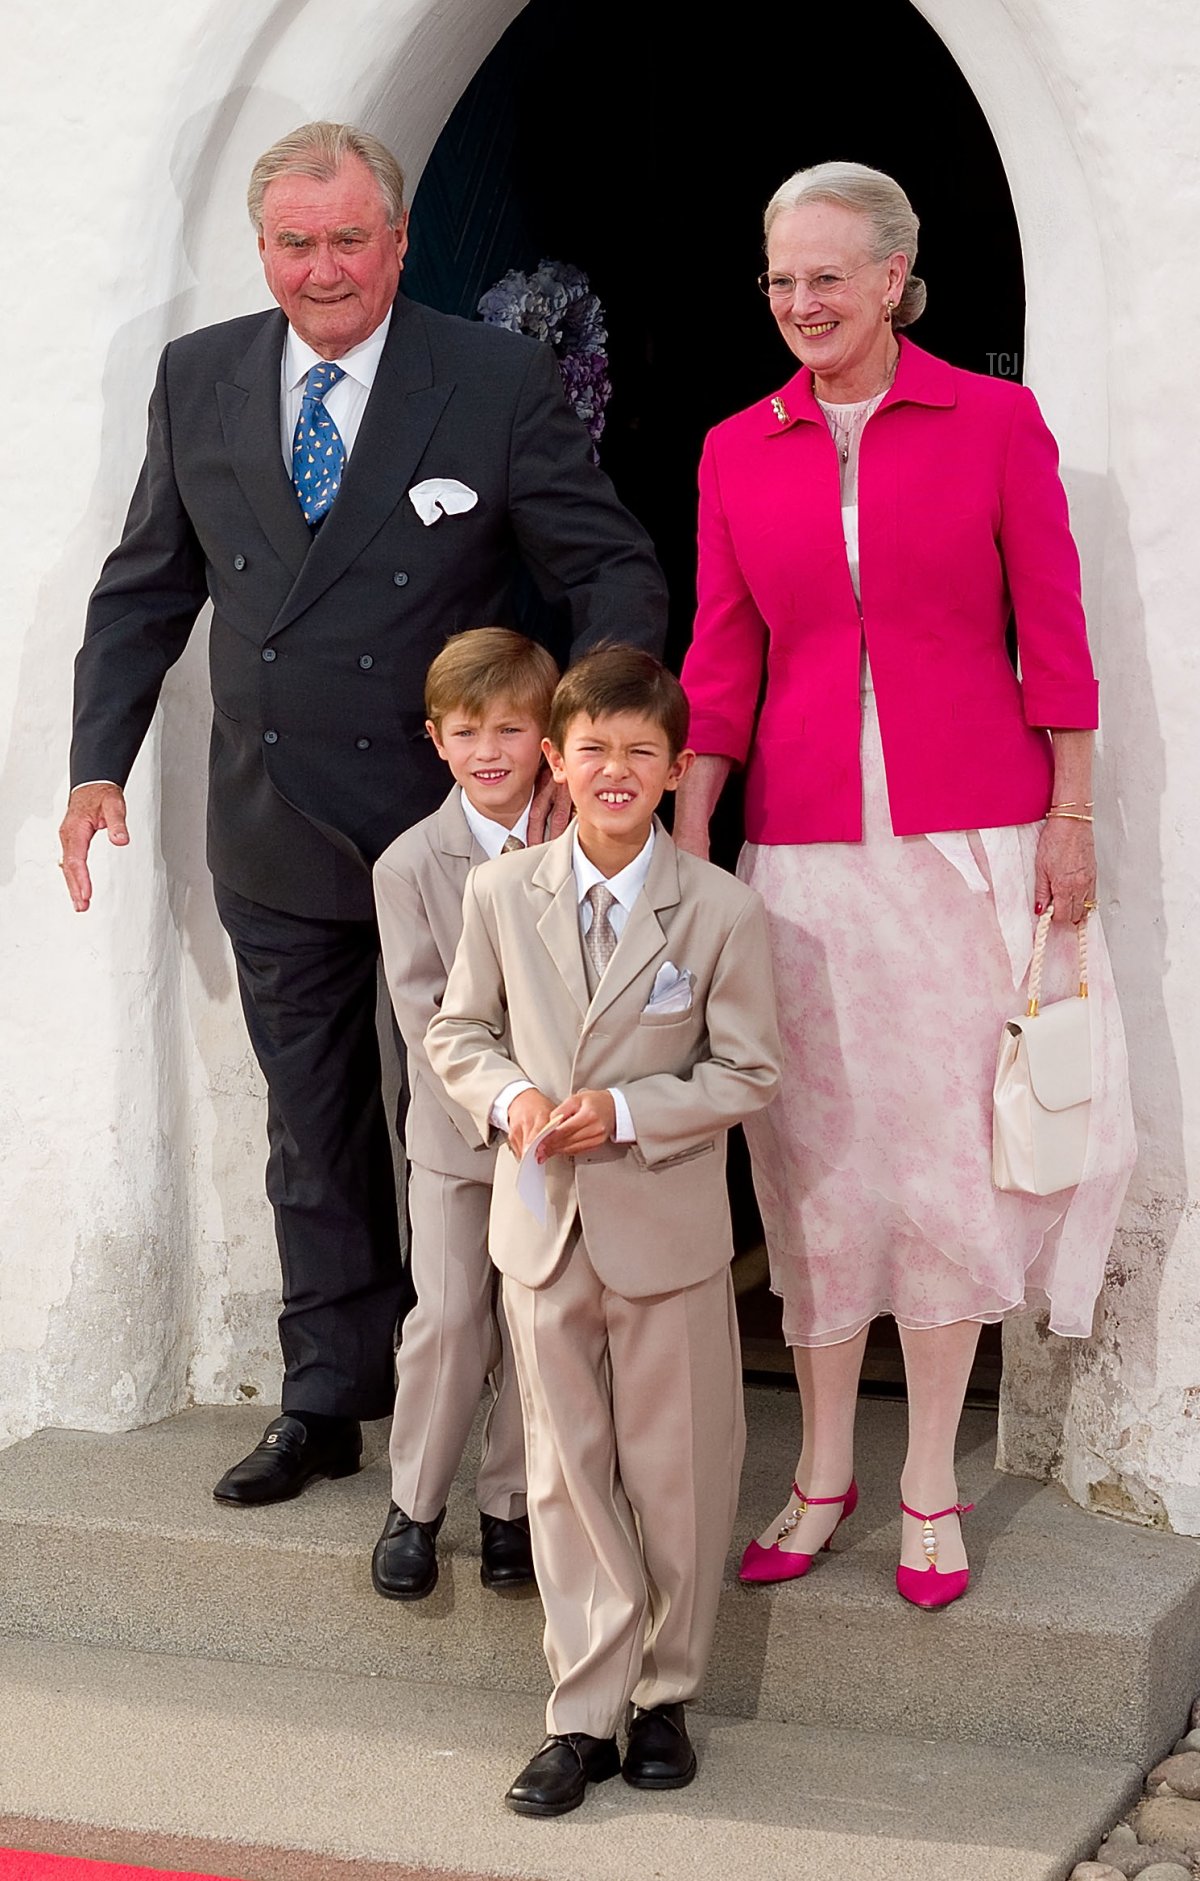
(889, 308)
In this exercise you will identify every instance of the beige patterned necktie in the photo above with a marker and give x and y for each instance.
(510, 845)
(600, 940)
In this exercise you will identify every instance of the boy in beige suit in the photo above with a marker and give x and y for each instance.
(488, 699)
(615, 993)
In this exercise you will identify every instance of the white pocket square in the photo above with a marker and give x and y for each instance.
(441, 496)
(672, 990)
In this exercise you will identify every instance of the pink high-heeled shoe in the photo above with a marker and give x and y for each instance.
(926, 1587)
(775, 1563)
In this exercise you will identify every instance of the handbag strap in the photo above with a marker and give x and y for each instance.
(1039, 954)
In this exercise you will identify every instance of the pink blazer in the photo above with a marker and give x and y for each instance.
(962, 519)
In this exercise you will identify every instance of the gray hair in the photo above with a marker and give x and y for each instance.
(319, 150)
(869, 193)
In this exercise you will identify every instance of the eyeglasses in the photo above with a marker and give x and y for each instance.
(826, 285)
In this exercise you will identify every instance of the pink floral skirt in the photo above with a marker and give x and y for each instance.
(872, 1167)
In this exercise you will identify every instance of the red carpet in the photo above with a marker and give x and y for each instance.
(18, 1865)
(98, 1854)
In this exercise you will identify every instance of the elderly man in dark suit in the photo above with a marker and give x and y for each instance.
(350, 480)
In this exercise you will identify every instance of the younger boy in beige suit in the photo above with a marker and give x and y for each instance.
(617, 992)
(488, 699)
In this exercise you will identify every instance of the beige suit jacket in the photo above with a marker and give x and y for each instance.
(655, 1214)
(419, 881)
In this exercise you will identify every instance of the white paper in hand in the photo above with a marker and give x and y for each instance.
(531, 1175)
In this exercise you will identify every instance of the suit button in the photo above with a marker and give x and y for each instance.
(400, 578)
(362, 744)
(268, 654)
(366, 662)
(270, 738)
(239, 562)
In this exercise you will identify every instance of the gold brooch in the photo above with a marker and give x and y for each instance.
(780, 410)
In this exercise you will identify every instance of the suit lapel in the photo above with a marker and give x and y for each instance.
(643, 937)
(249, 411)
(455, 853)
(558, 926)
(454, 835)
(399, 420)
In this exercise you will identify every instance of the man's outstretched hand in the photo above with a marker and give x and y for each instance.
(550, 811)
(92, 807)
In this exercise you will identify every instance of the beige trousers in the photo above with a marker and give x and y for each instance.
(455, 1339)
(634, 1434)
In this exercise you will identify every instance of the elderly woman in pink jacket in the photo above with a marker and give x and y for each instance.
(912, 801)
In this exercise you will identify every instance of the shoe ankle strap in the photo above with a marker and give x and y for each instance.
(818, 1502)
(956, 1508)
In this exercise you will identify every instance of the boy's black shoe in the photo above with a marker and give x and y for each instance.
(660, 1754)
(506, 1558)
(555, 1780)
(404, 1565)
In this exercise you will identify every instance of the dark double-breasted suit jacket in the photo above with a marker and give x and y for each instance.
(320, 642)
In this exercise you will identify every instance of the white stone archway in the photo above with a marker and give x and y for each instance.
(1115, 1420)
(140, 1267)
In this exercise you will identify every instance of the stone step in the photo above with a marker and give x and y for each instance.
(274, 1773)
(1079, 1634)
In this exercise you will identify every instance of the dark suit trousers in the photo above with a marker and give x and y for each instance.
(309, 992)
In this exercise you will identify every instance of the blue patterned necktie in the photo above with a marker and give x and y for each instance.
(318, 454)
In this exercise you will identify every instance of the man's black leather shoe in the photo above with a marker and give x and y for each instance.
(288, 1457)
(555, 1779)
(404, 1565)
(506, 1559)
(659, 1755)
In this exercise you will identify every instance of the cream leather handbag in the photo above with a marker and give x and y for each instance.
(1042, 1096)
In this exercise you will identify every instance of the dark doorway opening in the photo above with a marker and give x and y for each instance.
(642, 147)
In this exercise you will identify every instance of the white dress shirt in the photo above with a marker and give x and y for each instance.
(626, 885)
(345, 402)
(490, 835)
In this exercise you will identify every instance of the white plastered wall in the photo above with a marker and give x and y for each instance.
(1094, 109)
(138, 1266)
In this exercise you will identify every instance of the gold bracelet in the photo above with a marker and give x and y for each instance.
(1070, 803)
(1072, 816)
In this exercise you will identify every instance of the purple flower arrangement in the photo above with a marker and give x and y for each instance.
(555, 304)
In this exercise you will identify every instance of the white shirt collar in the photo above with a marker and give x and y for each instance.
(628, 882)
(492, 836)
(359, 362)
